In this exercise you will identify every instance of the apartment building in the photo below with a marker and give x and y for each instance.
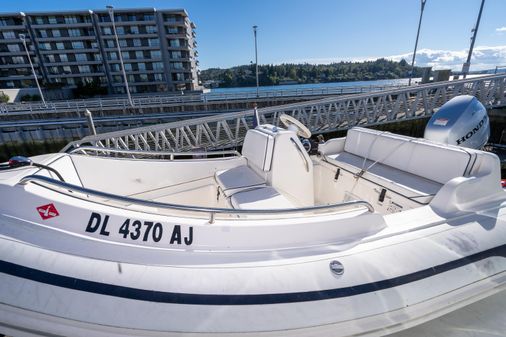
(158, 49)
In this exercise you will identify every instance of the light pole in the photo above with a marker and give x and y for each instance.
(22, 37)
(256, 54)
(111, 14)
(416, 42)
(467, 64)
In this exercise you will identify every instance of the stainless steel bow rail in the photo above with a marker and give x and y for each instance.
(320, 116)
(152, 154)
(72, 190)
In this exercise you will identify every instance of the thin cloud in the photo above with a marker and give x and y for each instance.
(483, 58)
(500, 29)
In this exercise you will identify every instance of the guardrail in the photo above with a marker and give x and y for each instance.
(324, 115)
(211, 212)
(161, 100)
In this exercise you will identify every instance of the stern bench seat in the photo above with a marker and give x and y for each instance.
(414, 168)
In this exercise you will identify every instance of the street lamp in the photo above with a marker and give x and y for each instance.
(22, 37)
(467, 64)
(416, 43)
(111, 14)
(256, 54)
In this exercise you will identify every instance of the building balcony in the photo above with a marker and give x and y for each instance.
(66, 51)
(76, 75)
(37, 26)
(66, 38)
(128, 23)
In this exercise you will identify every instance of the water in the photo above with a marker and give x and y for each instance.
(396, 82)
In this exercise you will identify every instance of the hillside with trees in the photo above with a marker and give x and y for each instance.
(244, 76)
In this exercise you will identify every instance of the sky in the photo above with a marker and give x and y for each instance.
(324, 31)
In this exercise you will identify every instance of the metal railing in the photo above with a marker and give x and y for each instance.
(144, 154)
(163, 100)
(325, 115)
(210, 212)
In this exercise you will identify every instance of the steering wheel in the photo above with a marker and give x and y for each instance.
(293, 124)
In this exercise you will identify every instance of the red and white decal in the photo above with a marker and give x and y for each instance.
(47, 211)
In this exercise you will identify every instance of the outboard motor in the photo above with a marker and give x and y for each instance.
(462, 121)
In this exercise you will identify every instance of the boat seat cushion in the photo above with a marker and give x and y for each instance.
(404, 183)
(237, 179)
(260, 198)
(416, 156)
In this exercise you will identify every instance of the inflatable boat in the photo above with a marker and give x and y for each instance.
(364, 235)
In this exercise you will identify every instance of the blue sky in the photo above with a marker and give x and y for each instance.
(321, 31)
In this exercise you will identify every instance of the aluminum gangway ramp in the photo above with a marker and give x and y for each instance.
(321, 116)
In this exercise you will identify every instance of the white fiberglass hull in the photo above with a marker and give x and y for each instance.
(380, 292)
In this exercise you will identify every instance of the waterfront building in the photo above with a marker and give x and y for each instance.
(158, 48)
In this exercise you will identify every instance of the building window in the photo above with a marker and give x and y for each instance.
(97, 57)
(139, 55)
(132, 17)
(45, 46)
(141, 66)
(64, 58)
(153, 42)
(158, 77)
(110, 44)
(123, 43)
(128, 66)
(67, 70)
(149, 17)
(125, 55)
(18, 60)
(56, 33)
(53, 70)
(134, 30)
(39, 20)
(3, 22)
(113, 56)
(107, 31)
(52, 20)
(175, 54)
(70, 81)
(151, 29)
(50, 58)
(157, 66)
(174, 43)
(115, 67)
(84, 69)
(77, 45)
(156, 54)
(9, 35)
(81, 57)
(13, 47)
(120, 30)
(177, 65)
(172, 30)
(137, 42)
(70, 19)
(74, 32)
(43, 33)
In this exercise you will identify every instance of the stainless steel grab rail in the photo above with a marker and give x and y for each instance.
(300, 153)
(97, 149)
(66, 187)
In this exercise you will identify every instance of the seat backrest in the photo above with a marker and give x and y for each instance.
(258, 148)
(437, 162)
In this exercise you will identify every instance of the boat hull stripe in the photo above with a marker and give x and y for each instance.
(237, 299)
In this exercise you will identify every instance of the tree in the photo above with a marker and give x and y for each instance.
(4, 98)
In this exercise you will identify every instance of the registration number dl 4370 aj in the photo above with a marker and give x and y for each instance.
(133, 229)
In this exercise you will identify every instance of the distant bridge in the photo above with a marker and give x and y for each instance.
(323, 115)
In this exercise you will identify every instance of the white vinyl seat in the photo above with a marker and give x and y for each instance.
(237, 179)
(404, 183)
(413, 168)
(260, 198)
(257, 150)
